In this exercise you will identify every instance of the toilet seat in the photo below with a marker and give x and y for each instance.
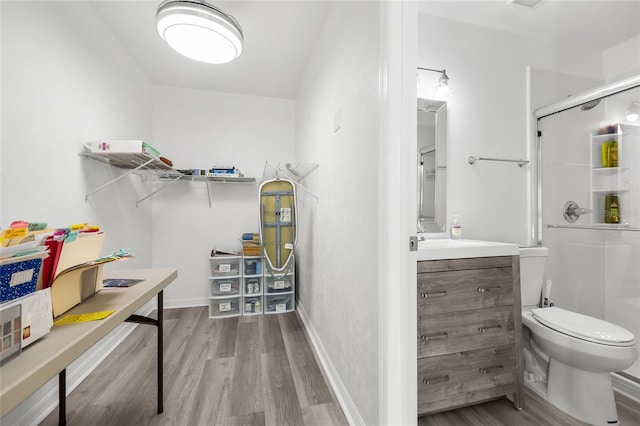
(583, 327)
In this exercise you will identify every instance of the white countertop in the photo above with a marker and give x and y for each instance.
(444, 248)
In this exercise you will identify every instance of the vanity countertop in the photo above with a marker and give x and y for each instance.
(444, 248)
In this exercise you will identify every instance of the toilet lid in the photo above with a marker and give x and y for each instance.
(583, 327)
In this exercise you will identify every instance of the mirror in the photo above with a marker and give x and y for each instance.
(432, 165)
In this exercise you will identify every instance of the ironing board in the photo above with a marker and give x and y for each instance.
(278, 224)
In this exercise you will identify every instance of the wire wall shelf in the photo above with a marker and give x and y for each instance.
(292, 171)
(151, 168)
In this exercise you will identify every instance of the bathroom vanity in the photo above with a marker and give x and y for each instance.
(469, 324)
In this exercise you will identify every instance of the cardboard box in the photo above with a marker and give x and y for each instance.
(122, 147)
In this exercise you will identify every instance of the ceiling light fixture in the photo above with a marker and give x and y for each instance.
(444, 84)
(634, 111)
(199, 31)
(527, 3)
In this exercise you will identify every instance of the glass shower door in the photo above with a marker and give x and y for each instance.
(589, 213)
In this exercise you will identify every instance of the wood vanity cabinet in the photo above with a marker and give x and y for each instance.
(469, 332)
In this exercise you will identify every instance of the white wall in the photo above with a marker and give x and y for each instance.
(488, 117)
(200, 129)
(65, 81)
(621, 61)
(338, 246)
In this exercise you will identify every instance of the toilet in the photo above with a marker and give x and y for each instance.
(569, 357)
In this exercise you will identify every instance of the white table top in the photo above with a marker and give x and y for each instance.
(44, 359)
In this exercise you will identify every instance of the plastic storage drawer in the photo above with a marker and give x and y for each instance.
(252, 305)
(252, 265)
(225, 266)
(252, 285)
(278, 303)
(225, 287)
(280, 284)
(219, 308)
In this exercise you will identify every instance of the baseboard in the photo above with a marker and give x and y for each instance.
(344, 399)
(626, 387)
(42, 402)
(185, 303)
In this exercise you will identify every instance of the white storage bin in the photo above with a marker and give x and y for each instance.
(252, 265)
(279, 284)
(277, 303)
(226, 307)
(252, 305)
(252, 286)
(225, 287)
(225, 266)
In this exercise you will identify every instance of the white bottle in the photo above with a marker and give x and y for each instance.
(456, 228)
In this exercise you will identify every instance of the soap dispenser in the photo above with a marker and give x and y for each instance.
(456, 228)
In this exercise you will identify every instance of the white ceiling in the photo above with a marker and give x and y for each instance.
(595, 24)
(280, 35)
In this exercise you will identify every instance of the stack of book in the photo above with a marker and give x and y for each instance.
(251, 244)
(227, 172)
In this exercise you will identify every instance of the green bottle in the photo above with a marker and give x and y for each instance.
(605, 154)
(613, 154)
(611, 209)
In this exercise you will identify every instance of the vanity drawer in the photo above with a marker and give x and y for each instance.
(463, 378)
(464, 290)
(465, 264)
(451, 332)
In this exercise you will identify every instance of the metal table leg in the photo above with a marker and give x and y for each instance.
(139, 319)
(62, 398)
(160, 352)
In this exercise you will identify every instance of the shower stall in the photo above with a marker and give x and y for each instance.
(587, 188)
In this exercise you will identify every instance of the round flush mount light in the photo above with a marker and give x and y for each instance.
(634, 112)
(199, 31)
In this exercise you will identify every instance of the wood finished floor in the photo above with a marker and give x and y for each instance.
(239, 371)
(250, 371)
(537, 412)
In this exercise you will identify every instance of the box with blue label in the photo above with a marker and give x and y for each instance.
(19, 275)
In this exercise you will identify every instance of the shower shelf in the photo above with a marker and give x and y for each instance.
(609, 170)
(604, 137)
(603, 227)
(614, 180)
(616, 190)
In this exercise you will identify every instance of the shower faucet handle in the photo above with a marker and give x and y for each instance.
(572, 211)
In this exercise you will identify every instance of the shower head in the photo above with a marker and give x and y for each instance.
(589, 105)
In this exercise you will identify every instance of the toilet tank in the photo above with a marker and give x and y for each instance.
(532, 263)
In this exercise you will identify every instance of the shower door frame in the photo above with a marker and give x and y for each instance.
(599, 93)
(558, 107)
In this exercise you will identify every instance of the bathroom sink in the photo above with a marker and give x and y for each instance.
(445, 242)
(444, 248)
